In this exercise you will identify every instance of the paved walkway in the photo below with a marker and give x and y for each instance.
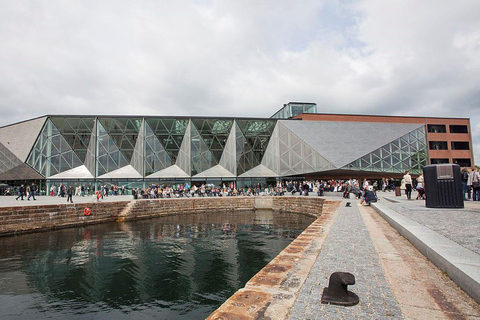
(459, 225)
(447, 237)
(9, 201)
(348, 248)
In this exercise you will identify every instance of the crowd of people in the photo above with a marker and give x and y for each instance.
(361, 189)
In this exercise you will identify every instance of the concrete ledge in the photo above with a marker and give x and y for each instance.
(460, 264)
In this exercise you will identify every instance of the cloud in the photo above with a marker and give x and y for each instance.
(239, 58)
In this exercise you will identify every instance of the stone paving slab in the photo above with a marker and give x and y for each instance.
(461, 264)
(459, 225)
(348, 248)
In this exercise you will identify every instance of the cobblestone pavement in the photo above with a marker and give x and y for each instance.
(349, 248)
(459, 225)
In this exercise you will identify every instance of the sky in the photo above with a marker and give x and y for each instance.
(240, 58)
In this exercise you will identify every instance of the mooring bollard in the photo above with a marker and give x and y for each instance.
(337, 293)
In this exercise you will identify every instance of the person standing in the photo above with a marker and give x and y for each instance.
(464, 176)
(408, 184)
(420, 187)
(70, 194)
(21, 190)
(474, 181)
(31, 193)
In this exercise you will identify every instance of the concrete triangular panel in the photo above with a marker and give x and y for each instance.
(287, 154)
(137, 157)
(229, 158)
(7, 159)
(170, 172)
(19, 138)
(127, 172)
(259, 171)
(271, 159)
(21, 172)
(80, 172)
(90, 158)
(183, 159)
(215, 172)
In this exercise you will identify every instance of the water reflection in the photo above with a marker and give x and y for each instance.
(175, 267)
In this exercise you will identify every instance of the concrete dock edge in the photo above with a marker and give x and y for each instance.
(460, 264)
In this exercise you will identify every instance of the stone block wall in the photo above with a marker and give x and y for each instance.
(144, 209)
(16, 220)
(302, 205)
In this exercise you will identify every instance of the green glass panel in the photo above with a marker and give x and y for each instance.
(124, 131)
(156, 157)
(109, 154)
(170, 133)
(76, 131)
(202, 157)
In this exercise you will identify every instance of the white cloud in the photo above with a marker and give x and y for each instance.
(239, 58)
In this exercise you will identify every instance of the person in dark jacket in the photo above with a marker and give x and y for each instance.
(21, 191)
(31, 193)
(368, 197)
(70, 194)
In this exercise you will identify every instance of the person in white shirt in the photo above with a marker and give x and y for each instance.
(408, 184)
(474, 182)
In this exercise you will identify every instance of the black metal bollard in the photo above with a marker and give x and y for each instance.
(337, 293)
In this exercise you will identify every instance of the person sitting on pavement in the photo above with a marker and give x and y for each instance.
(368, 196)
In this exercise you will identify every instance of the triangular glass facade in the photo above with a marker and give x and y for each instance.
(202, 157)
(156, 157)
(189, 147)
(405, 153)
(214, 133)
(170, 133)
(252, 140)
(124, 131)
(76, 131)
(109, 156)
(51, 153)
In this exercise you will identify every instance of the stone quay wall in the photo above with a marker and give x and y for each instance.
(26, 219)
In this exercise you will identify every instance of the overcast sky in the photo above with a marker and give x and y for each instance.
(240, 58)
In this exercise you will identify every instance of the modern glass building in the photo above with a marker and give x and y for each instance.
(137, 151)
(293, 109)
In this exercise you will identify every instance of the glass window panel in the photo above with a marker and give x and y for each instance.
(437, 128)
(458, 129)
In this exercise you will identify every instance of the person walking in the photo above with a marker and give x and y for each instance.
(420, 187)
(31, 193)
(70, 193)
(21, 190)
(408, 184)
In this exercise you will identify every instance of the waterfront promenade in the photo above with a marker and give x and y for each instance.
(393, 279)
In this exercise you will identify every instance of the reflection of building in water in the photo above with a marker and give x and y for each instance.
(143, 261)
(264, 217)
